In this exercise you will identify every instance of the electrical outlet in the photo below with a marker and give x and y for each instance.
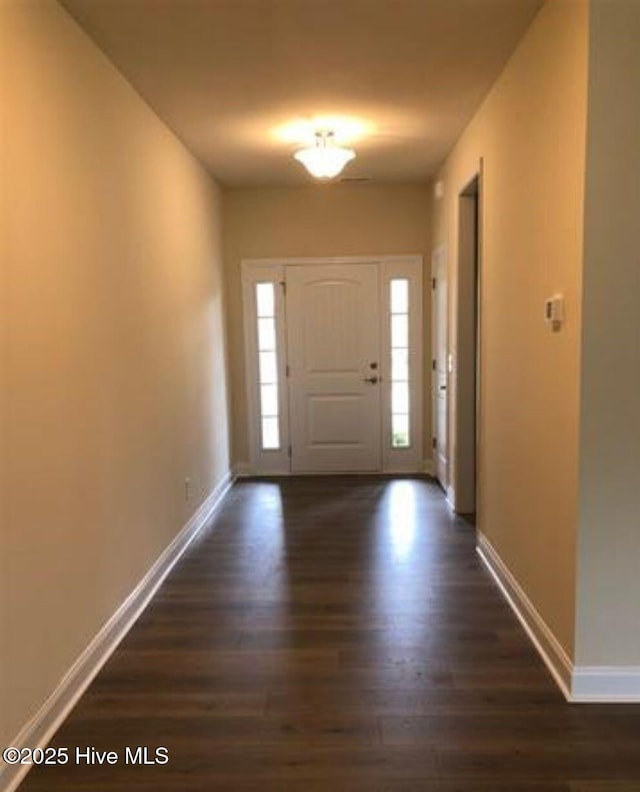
(187, 488)
(554, 311)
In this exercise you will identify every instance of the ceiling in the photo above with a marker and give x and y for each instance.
(240, 81)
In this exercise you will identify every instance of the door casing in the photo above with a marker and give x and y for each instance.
(440, 365)
(269, 269)
(467, 363)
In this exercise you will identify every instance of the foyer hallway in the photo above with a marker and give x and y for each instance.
(339, 634)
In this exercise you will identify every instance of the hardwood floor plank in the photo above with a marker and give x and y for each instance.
(320, 638)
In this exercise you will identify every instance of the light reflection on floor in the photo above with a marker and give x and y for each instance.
(402, 517)
(400, 581)
(394, 552)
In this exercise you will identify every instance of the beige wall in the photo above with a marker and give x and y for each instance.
(319, 220)
(113, 377)
(530, 134)
(609, 546)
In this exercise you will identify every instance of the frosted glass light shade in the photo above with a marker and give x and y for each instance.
(324, 160)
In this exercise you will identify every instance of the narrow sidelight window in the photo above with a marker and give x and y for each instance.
(268, 367)
(399, 302)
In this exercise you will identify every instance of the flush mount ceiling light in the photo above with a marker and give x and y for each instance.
(326, 159)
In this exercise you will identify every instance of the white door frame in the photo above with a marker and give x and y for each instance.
(464, 339)
(466, 392)
(273, 270)
(440, 439)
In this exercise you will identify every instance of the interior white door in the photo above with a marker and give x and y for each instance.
(333, 345)
(440, 313)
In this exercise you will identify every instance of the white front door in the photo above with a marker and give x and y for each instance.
(439, 307)
(333, 342)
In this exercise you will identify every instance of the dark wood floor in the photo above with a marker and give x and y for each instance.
(339, 635)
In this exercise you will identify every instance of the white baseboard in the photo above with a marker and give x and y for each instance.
(41, 728)
(606, 684)
(548, 646)
(247, 470)
(450, 495)
(244, 470)
(579, 684)
(428, 467)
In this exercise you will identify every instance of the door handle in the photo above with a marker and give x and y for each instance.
(371, 380)
(443, 387)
